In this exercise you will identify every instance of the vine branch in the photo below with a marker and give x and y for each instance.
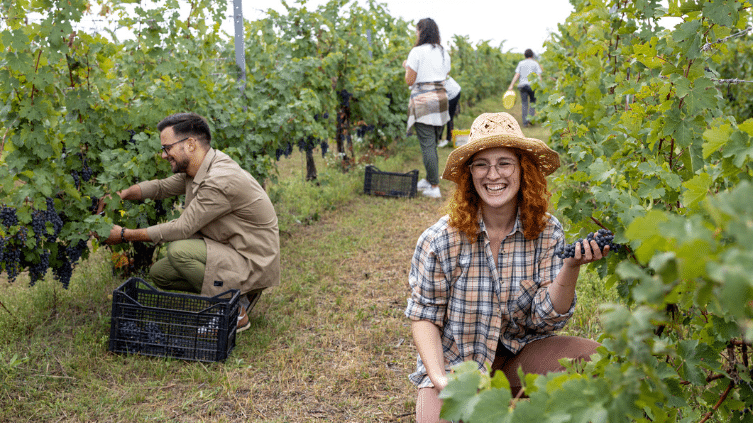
(731, 81)
(707, 46)
(718, 403)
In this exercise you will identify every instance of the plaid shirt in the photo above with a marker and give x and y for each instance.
(428, 104)
(456, 285)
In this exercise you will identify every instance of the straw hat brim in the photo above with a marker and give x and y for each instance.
(546, 159)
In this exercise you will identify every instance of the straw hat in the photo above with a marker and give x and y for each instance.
(492, 130)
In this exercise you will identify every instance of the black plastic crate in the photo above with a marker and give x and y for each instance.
(157, 323)
(390, 184)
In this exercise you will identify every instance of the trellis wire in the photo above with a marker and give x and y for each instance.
(740, 33)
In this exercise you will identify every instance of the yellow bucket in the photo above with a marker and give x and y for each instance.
(508, 100)
(460, 137)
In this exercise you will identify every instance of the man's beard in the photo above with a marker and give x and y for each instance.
(180, 166)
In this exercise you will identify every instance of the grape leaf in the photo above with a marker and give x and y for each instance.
(696, 189)
(715, 137)
(721, 12)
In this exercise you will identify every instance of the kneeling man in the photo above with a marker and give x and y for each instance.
(227, 235)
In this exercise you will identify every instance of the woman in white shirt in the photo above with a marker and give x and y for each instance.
(426, 68)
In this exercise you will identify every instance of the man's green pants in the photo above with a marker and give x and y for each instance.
(182, 268)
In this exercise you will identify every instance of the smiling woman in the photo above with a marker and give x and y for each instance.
(485, 283)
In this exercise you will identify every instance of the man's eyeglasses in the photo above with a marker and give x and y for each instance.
(480, 168)
(166, 148)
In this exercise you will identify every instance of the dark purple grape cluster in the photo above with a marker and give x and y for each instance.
(345, 97)
(38, 270)
(22, 234)
(8, 216)
(75, 252)
(86, 173)
(76, 178)
(286, 151)
(10, 250)
(131, 333)
(39, 226)
(603, 238)
(159, 209)
(15, 255)
(95, 204)
(363, 129)
(131, 141)
(63, 269)
(152, 334)
(325, 146)
(53, 217)
(11, 259)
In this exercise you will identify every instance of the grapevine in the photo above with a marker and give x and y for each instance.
(655, 145)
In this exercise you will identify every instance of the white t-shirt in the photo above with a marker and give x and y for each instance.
(432, 64)
(452, 88)
(525, 68)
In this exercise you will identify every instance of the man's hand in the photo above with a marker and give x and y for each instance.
(131, 193)
(101, 204)
(115, 235)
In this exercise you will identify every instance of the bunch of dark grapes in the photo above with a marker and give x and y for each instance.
(76, 179)
(287, 151)
(12, 259)
(345, 98)
(8, 216)
(152, 334)
(94, 205)
(131, 333)
(363, 129)
(38, 270)
(159, 209)
(86, 173)
(307, 144)
(131, 140)
(64, 269)
(22, 234)
(75, 252)
(38, 225)
(53, 217)
(603, 238)
(325, 146)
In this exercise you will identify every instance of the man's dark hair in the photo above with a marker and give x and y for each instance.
(188, 124)
(528, 54)
(428, 32)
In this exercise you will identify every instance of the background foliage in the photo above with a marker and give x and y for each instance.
(79, 110)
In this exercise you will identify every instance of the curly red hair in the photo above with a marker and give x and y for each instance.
(533, 200)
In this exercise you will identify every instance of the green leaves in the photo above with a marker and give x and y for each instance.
(659, 157)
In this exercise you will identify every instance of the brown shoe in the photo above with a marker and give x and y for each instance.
(243, 321)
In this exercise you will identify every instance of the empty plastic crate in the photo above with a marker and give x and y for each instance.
(390, 184)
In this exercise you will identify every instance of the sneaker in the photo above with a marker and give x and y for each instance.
(442, 143)
(243, 320)
(423, 184)
(432, 192)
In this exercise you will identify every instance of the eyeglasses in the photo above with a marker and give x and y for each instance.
(166, 148)
(480, 169)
